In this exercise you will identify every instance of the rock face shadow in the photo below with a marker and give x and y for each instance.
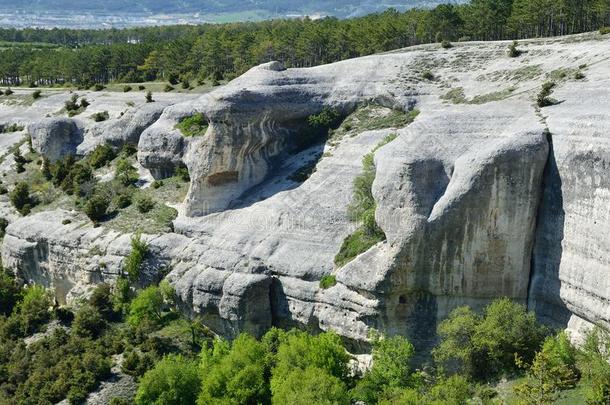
(288, 173)
(544, 296)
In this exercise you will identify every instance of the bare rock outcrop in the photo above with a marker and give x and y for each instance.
(56, 138)
(124, 130)
(571, 277)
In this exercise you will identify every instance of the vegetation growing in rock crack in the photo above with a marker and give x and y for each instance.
(317, 128)
(362, 210)
(195, 125)
(328, 281)
(543, 99)
(513, 51)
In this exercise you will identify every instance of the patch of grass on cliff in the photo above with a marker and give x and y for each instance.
(195, 125)
(373, 117)
(362, 210)
(457, 96)
(328, 281)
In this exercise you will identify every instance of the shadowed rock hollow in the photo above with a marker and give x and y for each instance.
(483, 196)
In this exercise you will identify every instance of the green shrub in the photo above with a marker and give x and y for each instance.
(604, 30)
(579, 75)
(125, 173)
(122, 200)
(593, 360)
(185, 84)
(327, 118)
(168, 88)
(298, 351)
(127, 88)
(149, 97)
(121, 296)
(128, 149)
(234, 373)
(453, 390)
(20, 197)
(84, 103)
(100, 116)
(20, 161)
(10, 292)
(553, 369)
(14, 127)
(428, 75)
(79, 180)
(328, 281)
(139, 250)
(101, 301)
(96, 207)
(8, 92)
(34, 309)
(543, 99)
(391, 369)
(195, 125)
(513, 52)
(173, 380)
(482, 347)
(446, 44)
(146, 307)
(144, 203)
(3, 225)
(183, 173)
(98, 87)
(101, 156)
(141, 87)
(36, 94)
(311, 386)
(157, 184)
(72, 105)
(88, 322)
(173, 78)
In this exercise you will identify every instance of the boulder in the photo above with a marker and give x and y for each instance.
(56, 138)
(124, 130)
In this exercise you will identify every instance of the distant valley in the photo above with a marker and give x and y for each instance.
(124, 13)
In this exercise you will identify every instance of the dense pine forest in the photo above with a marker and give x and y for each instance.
(216, 52)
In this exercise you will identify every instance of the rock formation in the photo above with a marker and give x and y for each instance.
(56, 138)
(484, 195)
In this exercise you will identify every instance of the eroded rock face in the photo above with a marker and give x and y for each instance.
(571, 278)
(162, 146)
(125, 129)
(56, 138)
(252, 123)
(473, 200)
(459, 214)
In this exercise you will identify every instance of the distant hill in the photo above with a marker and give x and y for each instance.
(71, 13)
